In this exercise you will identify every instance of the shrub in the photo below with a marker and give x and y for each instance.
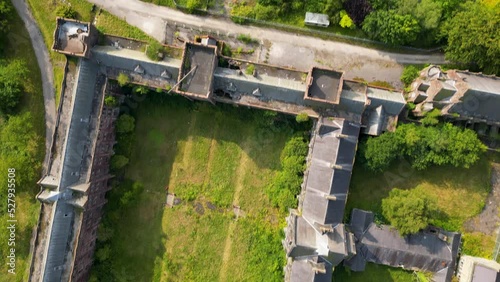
(250, 69)
(118, 162)
(66, 11)
(110, 101)
(245, 38)
(409, 74)
(122, 79)
(302, 117)
(193, 5)
(431, 118)
(346, 21)
(240, 11)
(125, 124)
(154, 51)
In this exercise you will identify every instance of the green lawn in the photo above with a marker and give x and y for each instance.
(211, 157)
(27, 208)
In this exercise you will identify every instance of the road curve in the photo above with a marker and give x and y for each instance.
(150, 18)
(43, 59)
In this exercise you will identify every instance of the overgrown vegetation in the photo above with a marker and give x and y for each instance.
(407, 210)
(424, 146)
(410, 73)
(286, 184)
(123, 79)
(154, 51)
(247, 39)
(250, 69)
(66, 11)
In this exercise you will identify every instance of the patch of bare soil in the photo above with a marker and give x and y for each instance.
(487, 221)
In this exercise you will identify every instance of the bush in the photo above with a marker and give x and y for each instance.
(245, 38)
(410, 73)
(250, 69)
(431, 118)
(193, 5)
(125, 124)
(66, 11)
(12, 75)
(118, 162)
(302, 117)
(122, 79)
(346, 21)
(110, 101)
(154, 51)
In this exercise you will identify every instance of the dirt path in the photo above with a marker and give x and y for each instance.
(43, 59)
(240, 175)
(487, 221)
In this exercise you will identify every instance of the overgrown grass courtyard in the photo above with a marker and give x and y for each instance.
(211, 157)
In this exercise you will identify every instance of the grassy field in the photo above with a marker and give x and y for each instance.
(45, 15)
(212, 158)
(27, 208)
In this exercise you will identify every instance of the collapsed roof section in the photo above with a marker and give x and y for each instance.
(459, 94)
(432, 250)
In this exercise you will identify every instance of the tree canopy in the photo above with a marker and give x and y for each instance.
(391, 27)
(474, 36)
(424, 146)
(125, 124)
(12, 75)
(407, 210)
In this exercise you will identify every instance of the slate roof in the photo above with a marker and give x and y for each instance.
(435, 251)
(311, 270)
(329, 173)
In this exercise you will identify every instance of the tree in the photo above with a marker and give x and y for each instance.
(410, 73)
(193, 5)
(357, 10)
(424, 146)
(431, 118)
(407, 210)
(391, 27)
(125, 124)
(240, 11)
(5, 16)
(12, 77)
(474, 36)
(122, 79)
(118, 162)
(380, 152)
(66, 11)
